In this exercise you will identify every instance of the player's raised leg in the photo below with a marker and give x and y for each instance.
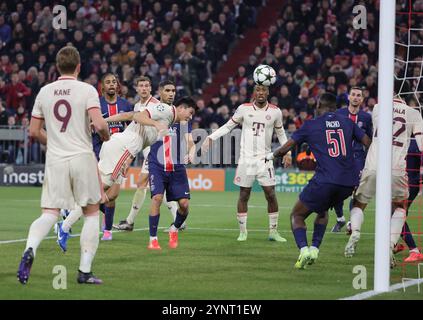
(64, 228)
(273, 212)
(244, 196)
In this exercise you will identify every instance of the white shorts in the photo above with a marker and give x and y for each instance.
(71, 182)
(265, 175)
(113, 155)
(367, 188)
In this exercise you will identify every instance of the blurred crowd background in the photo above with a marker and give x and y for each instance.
(312, 46)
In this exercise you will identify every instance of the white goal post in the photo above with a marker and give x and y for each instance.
(384, 171)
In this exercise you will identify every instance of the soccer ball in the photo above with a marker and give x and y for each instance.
(264, 75)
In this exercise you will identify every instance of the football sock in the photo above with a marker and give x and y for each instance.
(89, 241)
(109, 214)
(356, 217)
(154, 224)
(179, 220)
(339, 210)
(300, 235)
(137, 202)
(242, 220)
(341, 219)
(397, 222)
(273, 220)
(39, 230)
(408, 237)
(172, 206)
(73, 217)
(318, 233)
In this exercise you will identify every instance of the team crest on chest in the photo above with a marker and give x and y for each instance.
(160, 107)
(268, 117)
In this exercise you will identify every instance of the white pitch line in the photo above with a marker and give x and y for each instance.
(189, 228)
(372, 293)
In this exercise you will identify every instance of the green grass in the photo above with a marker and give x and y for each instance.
(208, 264)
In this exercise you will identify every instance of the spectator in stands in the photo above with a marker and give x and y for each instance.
(222, 116)
(285, 100)
(5, 32)
(15, 93)
(301, 118)
(3, 115)
(215, 103)
(300, 102)
(7, 148)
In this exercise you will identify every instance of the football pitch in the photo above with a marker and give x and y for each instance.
(209, 263)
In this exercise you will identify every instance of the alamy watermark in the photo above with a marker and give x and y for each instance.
(360, 280)
(60, 281)
(60, 17)
(360, 20)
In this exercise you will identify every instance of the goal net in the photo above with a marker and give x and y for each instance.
(408, 71)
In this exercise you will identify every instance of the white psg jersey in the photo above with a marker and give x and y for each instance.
(406, 122)
(64, 106)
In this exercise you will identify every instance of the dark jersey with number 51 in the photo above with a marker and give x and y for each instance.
(330, 138)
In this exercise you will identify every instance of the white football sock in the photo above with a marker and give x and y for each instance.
(39, 230)
(397, 223)
(356, 218)
(273, 220)
(242, 220)
(341, 219)
(137, 202)
(89, 241)
(72, 218)
(153, 238)
(172, 206)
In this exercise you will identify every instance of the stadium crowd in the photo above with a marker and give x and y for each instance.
(314, 49)
(312, 46)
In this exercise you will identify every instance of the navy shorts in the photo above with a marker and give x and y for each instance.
(175, 183)
(320, 197)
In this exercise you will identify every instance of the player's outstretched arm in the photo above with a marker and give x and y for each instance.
(36, 130)
(124, 116)
(282, 150)
(99, 124)
(144, 119)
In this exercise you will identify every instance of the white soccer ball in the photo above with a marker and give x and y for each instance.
(264, 75)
